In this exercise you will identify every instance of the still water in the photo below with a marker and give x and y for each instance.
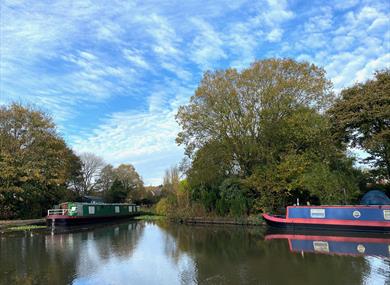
(165, 253)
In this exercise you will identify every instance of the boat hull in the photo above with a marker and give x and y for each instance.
(344, 218)
(75, 213)
(324, 227)
(69, 221)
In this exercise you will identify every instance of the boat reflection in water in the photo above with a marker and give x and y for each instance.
(335, 243)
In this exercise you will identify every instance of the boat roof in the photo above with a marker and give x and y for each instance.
(101, 204)
(341, 206)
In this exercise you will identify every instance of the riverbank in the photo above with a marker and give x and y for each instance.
(16, 223)
(247, 221)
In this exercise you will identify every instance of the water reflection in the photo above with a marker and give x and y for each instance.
(336, 244)
(373, 247)
(164, 253)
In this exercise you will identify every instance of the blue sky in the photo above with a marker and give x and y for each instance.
(113, 73)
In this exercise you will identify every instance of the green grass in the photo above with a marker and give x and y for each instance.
(150, 217)
(26, 228)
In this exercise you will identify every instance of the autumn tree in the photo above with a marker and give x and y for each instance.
(265, 126)
(35, 163)
(242, 109)
(361, 119)
(123, 179)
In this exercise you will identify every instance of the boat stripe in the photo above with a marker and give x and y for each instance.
(327, 221)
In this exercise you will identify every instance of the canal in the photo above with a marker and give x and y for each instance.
(166, 253)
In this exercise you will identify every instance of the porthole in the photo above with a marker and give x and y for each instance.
(356, 214)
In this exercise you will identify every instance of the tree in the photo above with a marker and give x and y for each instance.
(91, 167)
(265, 127)
(117, 193)
(361, 118)
(35, 164)
(242, 110)
(171, 180)
(106, 179)
(130, 179)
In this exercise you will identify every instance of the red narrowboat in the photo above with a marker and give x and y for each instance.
(367, 217)
(355, 218)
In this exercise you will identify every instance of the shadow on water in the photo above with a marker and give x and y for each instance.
(166, 253)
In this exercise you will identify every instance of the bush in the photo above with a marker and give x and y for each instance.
(167, 206)
(233, 198)
(162, 207)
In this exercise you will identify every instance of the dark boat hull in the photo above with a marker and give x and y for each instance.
(69, 221)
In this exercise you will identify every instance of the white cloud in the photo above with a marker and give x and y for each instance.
(135, 57)
(166, 39)
(207, 46)
(140, 138)
(276, 13)
(320, 23)
(275, 35)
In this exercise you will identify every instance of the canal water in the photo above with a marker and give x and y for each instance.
(165, 253)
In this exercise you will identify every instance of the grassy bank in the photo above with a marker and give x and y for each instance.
(21, 223)
(26, 228)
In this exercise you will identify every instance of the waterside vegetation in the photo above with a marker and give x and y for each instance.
(258, 139)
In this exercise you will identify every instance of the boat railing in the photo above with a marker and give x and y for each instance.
(57, 212)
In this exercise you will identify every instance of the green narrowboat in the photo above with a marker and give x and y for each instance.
(70, 213)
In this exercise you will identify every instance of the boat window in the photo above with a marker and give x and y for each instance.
(386, 214)
(117, 209)
(317, 213)
(130, 209)
(321, 246)
(91, 210)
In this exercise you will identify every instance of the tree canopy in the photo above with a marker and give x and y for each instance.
(121, 183)
(35, 163)
(242, 110)
(38, 169)
(266, 126)
(361, 118)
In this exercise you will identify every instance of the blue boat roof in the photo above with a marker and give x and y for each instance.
(375, 197)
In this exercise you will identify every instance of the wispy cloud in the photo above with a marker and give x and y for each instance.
(207, 46)
(143, 138)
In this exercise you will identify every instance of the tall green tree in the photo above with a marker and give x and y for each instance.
(36, 166)
(361, 118)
